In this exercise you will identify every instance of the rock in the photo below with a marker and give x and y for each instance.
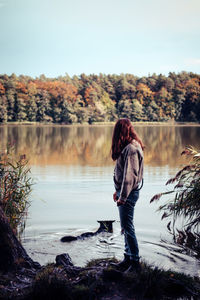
(68, 238)
(64, 260)
(105, 226)
(87, 234)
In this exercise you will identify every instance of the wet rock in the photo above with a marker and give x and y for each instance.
(105, 226)
(64, 260)
(87, 234)
(68, 238)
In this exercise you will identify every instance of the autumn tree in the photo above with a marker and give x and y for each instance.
(92, 98)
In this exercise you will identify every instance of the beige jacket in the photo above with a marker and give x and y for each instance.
(128, 173)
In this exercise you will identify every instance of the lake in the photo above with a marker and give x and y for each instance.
(73, 175)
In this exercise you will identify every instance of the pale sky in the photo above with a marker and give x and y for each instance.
(54, 37)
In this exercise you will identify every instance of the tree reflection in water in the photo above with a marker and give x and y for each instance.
(90, 145)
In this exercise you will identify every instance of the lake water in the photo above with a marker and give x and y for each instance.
(73, 175)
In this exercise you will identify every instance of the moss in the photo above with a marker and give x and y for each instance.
(100, 262)
(45, 272)
(155, 283)
(51, 283)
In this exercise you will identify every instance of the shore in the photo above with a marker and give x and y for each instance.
(98, 280)
(169, 123)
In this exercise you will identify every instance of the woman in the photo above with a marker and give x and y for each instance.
(127, 151)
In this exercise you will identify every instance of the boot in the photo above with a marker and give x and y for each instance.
(124, 264)
(134, 266)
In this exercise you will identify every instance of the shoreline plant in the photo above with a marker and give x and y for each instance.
(185, 202)
(15, 187)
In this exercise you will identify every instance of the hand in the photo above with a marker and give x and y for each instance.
(120, 202)
(115, 196)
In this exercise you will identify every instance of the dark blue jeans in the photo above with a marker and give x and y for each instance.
(126, 214)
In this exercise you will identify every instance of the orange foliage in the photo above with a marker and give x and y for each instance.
(2, 89)
(21, 90)
(193, 88)
(144, 93)
(88, 95)
(21, 87)
(59, 90)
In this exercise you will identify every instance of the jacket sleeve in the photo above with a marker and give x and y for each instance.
(130, 174)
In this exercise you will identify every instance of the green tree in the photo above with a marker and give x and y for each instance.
(44, 113)
(82, 115)
(31, 109)
(137, 113)
(192, 98)
(3, 109)
(68, 115)
(131, 109)
(20, 110)
(152, 111)
(125, 109)
(179, 98)
(109, 109)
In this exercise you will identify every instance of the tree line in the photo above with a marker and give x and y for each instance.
(100, 98)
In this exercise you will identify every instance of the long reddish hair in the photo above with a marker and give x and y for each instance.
(123, 134)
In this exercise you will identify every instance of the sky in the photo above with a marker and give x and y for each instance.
(55, 37)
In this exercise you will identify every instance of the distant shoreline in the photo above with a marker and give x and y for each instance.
(171, 124)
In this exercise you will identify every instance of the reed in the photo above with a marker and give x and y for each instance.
(184, 203)
(186, 192)
(15, 187)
